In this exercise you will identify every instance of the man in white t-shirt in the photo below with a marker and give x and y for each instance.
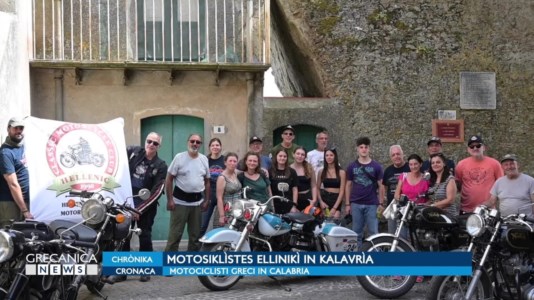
(187, 187)
(514, 191)
(316, 156)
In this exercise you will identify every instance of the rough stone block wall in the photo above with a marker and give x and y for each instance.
(393, 64)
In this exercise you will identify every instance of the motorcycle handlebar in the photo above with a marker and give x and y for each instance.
(529, 219)
(83, 244)
(129, 208)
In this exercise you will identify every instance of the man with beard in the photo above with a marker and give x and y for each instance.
(14, 184)
(189, 174)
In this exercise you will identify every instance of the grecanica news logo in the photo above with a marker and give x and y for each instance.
(61, 264)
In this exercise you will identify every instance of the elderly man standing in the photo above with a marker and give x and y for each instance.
(514, 191)
(476, 175)
(391, 177)
(316, 156)
(14, 184)
(189, 174)
(147, 171)
(434, 146)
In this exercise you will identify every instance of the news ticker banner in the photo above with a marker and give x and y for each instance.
(286, 263)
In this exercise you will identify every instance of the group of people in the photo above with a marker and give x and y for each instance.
(196, 184)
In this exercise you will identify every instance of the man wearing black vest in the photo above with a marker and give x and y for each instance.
(148, 171)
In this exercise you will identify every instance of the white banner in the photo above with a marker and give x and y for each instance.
(64, 157)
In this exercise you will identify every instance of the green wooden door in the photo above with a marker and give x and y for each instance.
(305, 135)
(175, 129)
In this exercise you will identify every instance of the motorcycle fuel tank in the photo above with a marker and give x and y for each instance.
(435, 217)
(272, 225)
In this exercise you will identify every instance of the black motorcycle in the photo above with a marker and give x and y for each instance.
(23, 243)
(503, 253)
(429, 229)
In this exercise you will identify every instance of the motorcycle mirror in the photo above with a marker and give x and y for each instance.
(426, 176)
(144, 194)
(283, 187)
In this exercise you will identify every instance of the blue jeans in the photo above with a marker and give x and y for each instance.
(364, 215)
(206, 215)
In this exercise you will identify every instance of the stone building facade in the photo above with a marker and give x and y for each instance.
(386, 68)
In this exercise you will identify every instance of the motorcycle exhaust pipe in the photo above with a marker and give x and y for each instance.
(17, 287)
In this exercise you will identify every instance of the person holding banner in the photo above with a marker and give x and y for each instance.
(147, 171)
(188, 176)
(14, 184)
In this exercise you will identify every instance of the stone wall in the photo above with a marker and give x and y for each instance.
(392, 65)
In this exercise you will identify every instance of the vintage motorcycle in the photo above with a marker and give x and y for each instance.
(503, 253)
(430, 229)
(106, 228)
(255, 228)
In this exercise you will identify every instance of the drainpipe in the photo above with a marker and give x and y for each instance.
(60, 105)
(255, 104)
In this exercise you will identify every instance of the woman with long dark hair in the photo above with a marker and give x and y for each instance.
(307, 193)
(281, 172)
(442, 184)
(216, 164)
(331, 183)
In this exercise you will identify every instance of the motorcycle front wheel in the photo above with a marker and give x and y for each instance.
(455, 287)
(386, 286)
(221, 282)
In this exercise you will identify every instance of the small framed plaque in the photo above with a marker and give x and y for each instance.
(449, 131)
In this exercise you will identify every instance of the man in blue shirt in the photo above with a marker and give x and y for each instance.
(15, 182)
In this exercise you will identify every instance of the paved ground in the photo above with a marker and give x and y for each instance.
(302, 288)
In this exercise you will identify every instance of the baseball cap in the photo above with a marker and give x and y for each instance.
(15, 122)
(289, 127)
(254, 139)
(434, 139)
(509, 157)
(475, 139)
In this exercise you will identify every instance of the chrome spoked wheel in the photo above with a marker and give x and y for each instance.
(222, 282)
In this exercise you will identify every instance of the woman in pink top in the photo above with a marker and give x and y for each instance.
(412, 184)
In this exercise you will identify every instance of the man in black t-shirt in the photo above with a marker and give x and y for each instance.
(391, 177)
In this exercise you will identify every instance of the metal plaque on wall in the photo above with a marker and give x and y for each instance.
(477, 90)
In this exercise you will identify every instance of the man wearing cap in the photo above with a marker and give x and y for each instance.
(255, 145)
(476, 175)
(514, 191)
(434, 146)
(288, 135)
(14, 184)
(316, 156)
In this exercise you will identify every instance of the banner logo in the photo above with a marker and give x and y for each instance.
(83, 157)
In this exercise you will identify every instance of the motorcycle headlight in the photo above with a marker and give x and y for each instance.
(93, 211)
(6, 246)
(238, 209)
(475, 225)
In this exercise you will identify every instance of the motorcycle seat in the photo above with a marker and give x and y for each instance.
(298, 217)
(80, 233)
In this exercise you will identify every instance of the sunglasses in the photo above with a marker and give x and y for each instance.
(475, 146)
(288, 133)
(152, 142)
(195, 142)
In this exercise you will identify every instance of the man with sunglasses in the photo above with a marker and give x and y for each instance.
(476, 175)
(434, 146)
(288, 135)
(187, 186)
(148, 171)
